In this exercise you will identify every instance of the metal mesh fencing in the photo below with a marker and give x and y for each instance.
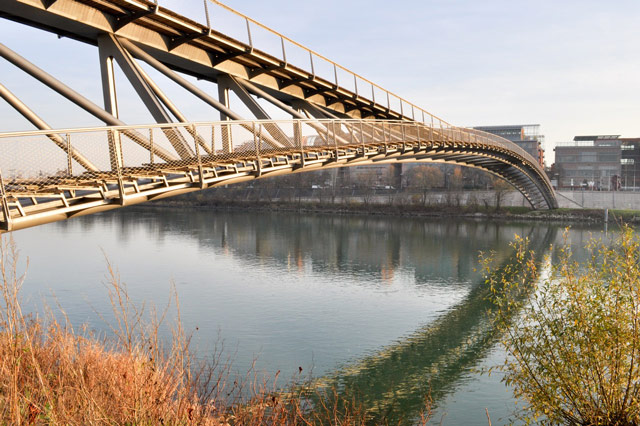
(53, 160)
(42, 172)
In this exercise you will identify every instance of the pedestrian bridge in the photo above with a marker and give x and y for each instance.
(338, 118)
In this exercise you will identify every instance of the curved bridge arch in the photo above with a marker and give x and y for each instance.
(475, 149)
(99, 169)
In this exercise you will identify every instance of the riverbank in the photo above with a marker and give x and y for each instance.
(563, 215)
(53, 373)
(339, 296)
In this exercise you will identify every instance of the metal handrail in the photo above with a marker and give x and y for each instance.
(189, 124)
(452, 134)
(312, 53)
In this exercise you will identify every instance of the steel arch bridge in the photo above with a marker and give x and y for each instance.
(338, 119)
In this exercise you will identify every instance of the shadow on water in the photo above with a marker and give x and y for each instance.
(394, 382)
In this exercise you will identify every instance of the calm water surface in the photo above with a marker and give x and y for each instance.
(390, 306)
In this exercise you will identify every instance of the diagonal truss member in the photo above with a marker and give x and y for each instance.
(81, 101)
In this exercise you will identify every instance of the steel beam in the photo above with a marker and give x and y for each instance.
(121, 21)
(171, 107)
(252, 88)
(319, 113)
(76, 98)
(111, 47)
(27, 113)
(262, 70)
(185, 38)
(218, 58)
(58, 86)
(294, 82)
(141, 54)
(225, 112)
(227, 82)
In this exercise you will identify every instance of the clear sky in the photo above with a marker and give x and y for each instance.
(571, 66)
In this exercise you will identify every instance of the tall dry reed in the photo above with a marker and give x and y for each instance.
(51, 373)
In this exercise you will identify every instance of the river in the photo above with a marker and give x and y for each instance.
(391, 306)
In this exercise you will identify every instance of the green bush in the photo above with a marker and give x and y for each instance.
(573, 339)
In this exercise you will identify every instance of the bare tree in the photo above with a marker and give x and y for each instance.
(455, 180)
(367, 181)
(500, 187)
(425, 178)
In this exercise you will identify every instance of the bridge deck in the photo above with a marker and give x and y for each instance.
(51, 185)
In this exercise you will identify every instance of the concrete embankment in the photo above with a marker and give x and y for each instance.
(566, 199)
(511, 214)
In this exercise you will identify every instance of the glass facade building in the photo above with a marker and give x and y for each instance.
(526, 136)
(590, 162)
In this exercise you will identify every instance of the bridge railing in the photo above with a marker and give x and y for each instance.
(52, 159)
(259, 38)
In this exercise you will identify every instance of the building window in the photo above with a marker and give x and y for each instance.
(607, 158)
(627, 147)
(627, 161)
(588, 157)
(567, 158)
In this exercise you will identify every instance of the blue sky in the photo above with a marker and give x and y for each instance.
(571, 66)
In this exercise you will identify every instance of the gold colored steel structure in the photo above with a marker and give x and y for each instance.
(333, 125)
(50, 185)
(199, 49)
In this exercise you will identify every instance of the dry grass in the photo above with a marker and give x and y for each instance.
(53, 374)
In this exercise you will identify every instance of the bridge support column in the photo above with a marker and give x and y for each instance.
(110, 105)
(110, 47)
(223, 97)
(108, 82)
(6, 213)
(227, 82)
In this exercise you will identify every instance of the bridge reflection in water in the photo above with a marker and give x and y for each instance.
(429, 249)
(395, 381)
(433, 261)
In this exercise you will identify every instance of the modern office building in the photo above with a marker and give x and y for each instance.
(630, 164)
(526, 136)
(590, 162)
